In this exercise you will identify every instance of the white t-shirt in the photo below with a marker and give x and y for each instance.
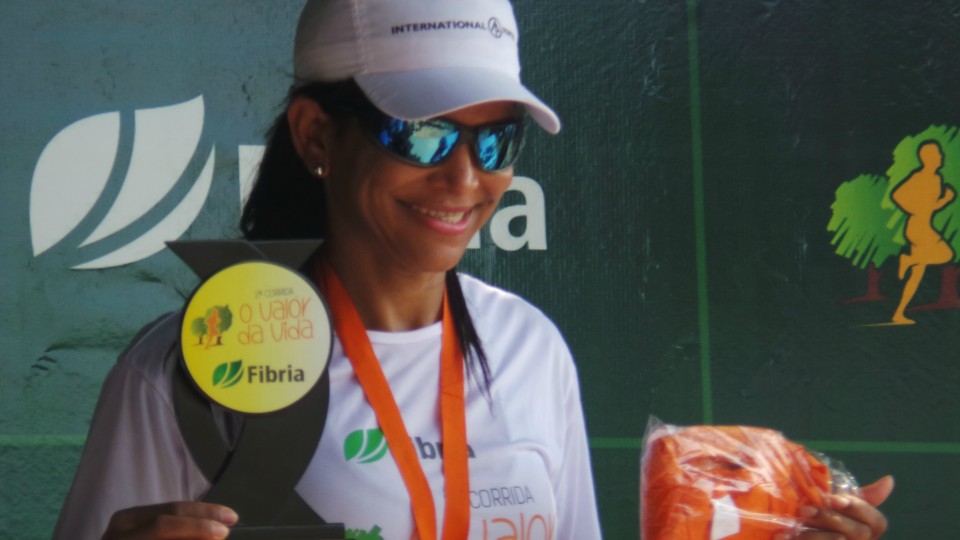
(530, 472)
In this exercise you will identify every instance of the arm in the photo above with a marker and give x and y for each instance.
(576, 500)
(948, 195)
(134, 455)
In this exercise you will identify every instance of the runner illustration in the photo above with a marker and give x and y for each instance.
(213, 330)
(920, 196)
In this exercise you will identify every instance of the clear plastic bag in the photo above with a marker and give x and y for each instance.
(730, 482)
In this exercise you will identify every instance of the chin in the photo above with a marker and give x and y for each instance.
(442, 260)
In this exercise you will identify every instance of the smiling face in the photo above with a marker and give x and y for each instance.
(403, 217)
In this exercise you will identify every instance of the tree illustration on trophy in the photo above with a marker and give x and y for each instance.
(198, 327)
(908, 213)
(212, 325)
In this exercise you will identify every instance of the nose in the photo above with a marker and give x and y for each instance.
(458, 172)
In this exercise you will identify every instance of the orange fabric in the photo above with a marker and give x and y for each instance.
(356, 345)
(687, 471)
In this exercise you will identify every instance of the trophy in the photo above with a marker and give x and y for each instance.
(252, 390)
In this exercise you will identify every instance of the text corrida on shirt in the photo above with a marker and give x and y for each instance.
(510, 521)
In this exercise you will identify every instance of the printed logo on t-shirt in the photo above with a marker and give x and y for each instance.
(365, 446)
(521, 526)
(360, 534)
(501, 496)
(429, 450)
(511, 512)
(369, 445)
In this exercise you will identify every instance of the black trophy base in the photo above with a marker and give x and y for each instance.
(306, 532)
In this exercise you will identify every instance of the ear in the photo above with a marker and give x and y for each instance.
(311, 129)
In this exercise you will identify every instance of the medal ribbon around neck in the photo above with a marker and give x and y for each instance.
(456, 474)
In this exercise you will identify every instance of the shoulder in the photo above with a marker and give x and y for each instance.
(152, 354)
(532, 369)
(497, 306)
(515, 331)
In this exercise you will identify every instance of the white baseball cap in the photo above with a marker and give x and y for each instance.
(417, 59)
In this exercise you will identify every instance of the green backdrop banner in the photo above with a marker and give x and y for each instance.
(724, 229)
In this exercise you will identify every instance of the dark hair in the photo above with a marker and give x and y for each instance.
(288, 202)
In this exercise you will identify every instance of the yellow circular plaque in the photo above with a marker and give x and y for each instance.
(256, 337)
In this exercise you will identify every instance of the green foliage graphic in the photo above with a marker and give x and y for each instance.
(226, 318)
(365, 445)
(360, 534)
(199, 328)
(860, 221)
(228, 374)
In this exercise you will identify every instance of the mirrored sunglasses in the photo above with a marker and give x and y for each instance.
(427, 143)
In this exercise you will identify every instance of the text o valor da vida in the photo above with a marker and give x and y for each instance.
(279, 320)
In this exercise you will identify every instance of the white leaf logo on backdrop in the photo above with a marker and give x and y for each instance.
(73, 170)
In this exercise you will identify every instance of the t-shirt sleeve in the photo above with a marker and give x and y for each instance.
(576, 501)
(133, 456)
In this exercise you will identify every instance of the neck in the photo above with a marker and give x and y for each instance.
(387, 298)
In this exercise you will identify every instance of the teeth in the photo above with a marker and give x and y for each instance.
(446, 217)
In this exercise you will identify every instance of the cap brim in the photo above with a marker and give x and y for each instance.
(428, 93)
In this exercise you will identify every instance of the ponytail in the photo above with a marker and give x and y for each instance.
(474, 356)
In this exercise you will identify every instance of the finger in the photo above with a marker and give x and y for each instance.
(197, 509)
(145, 517)
(861, 511)
(194, 509)
(839, 521)
(878, 491)
(167, 527)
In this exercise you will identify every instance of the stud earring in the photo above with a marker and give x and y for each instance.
(319, 171)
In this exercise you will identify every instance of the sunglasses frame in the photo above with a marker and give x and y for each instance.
(373, 120)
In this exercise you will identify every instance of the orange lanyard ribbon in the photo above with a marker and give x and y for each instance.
(357, 347)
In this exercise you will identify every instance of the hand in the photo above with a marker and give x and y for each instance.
(847, 517)
(948, 195)
(185, 520)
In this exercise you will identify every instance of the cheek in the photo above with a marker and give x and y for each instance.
(354, 176)
(494, 188)
(498, 184)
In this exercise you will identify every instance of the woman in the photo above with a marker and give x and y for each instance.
(397, 203)
(396, 200)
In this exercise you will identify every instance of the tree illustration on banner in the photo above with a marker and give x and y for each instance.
(908, 213)
(860, 223)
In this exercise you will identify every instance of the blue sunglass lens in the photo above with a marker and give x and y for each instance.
(429, 142)
(426, 142)
(498, 147)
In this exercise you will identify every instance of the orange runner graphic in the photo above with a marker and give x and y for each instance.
(920, 196)
(212, 331)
